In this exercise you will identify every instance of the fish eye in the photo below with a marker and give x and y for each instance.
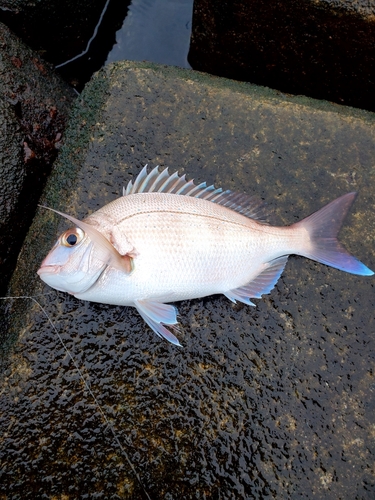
(72, 236)
(71, 239)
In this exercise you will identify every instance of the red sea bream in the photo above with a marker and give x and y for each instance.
(167, 239)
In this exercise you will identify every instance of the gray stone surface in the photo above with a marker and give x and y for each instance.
(34, 105)
(323, 49)
(275, 401)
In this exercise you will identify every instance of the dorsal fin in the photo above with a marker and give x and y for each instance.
(163, 182)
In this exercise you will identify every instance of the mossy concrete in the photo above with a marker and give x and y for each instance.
(274, 401)
(34, 107)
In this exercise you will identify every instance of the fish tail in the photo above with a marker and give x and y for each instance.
(323, 227)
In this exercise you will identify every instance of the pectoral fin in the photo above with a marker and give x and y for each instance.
(157, 313)
(261, 285)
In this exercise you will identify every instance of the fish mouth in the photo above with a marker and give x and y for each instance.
(52, 269)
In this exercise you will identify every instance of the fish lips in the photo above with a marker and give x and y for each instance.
(51, 275)
(48, 270)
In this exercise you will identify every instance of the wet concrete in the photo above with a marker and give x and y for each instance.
(275, 401)
(34, 106)
(323, 49)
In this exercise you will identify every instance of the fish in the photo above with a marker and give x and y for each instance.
(167, 239)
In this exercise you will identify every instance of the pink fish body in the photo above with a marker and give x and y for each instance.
(168, 240)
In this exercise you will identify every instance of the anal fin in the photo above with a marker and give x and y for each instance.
(156, 314)
(261, 285)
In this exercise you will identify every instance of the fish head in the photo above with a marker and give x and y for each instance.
(74, 263)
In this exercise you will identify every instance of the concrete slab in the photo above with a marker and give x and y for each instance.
(275, 401)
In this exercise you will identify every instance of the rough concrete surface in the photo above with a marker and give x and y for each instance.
(34, 106)
(275, 401)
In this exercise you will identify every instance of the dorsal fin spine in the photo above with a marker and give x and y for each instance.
(143, 186)
(159, 181)
(180, 181)
(138, 181)
(202, 190)
(185, 190)
(128, 189)
(167, 187)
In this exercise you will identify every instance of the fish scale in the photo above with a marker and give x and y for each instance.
(168, 239)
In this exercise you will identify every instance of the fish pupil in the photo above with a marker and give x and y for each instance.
(71, 239)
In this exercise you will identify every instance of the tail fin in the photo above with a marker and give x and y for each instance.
(323, 227)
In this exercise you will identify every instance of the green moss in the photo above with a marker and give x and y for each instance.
(249, 89)
(59, 188)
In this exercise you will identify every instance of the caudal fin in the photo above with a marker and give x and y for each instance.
(323, 227)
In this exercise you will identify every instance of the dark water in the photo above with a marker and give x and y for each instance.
(156, 31)
(153, 30)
